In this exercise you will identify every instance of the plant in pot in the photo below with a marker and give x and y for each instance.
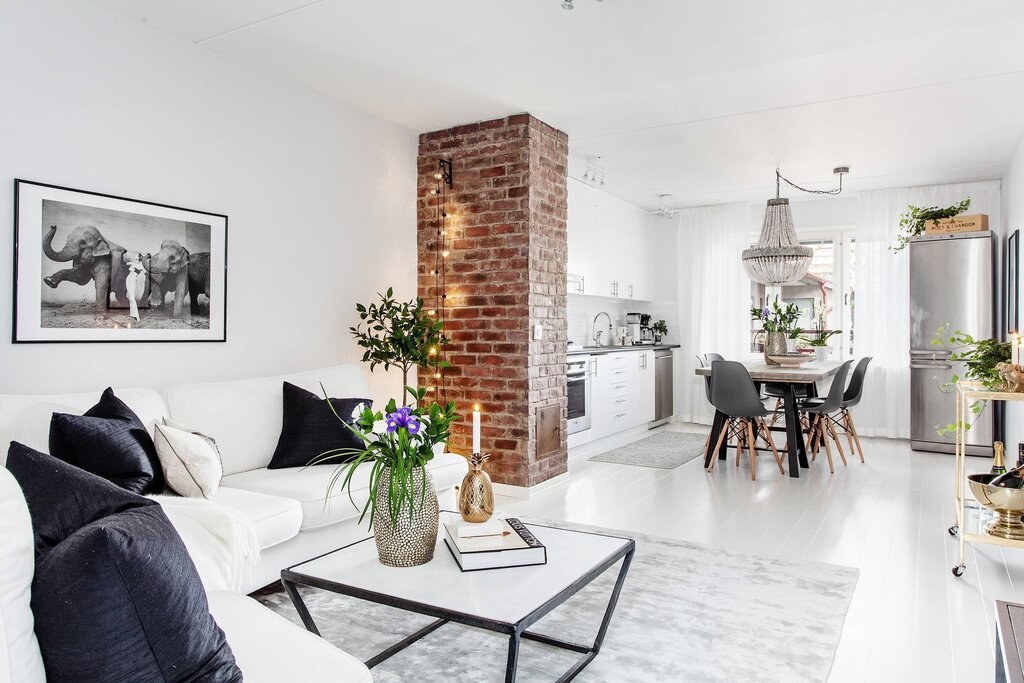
(660, 329)
(398, 443)
(778, 324)
(818, 339)
(912, 222)
(981, 358)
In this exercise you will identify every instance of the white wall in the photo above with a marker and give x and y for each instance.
(1013, 219)
(320, 196)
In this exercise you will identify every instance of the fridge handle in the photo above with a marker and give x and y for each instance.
(935, 366)
(938, 353)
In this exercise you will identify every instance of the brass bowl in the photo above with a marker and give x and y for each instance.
(1008, 504)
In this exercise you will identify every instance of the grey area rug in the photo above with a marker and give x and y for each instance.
(687, 612)
(666, 450)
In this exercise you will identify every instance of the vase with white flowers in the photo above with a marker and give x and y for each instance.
(402, 504)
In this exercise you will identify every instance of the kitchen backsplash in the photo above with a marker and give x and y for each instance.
(582, 309)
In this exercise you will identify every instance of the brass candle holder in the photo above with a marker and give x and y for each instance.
(476, 495)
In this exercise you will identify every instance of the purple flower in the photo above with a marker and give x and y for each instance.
(403, 417)
(764, 313)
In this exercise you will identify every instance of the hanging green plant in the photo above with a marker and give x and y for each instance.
(912, 222)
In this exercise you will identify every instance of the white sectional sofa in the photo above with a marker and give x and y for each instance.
(287, 507)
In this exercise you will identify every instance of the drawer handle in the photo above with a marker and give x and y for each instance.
(619, 372)
(620, 400)
(618, 415)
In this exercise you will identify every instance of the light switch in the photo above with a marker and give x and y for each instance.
(538, 332)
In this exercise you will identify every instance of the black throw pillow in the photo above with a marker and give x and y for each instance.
(63, 498)
(111, 441)
(309, 427)
(117, 599)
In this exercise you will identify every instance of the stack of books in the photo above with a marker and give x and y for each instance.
(493, 544)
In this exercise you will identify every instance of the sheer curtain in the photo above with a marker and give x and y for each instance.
(714, 296)
(882, 311)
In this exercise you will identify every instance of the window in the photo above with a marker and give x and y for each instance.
(826, 289)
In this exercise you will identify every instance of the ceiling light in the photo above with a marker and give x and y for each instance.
(778, 257)
(665, 209)
(595, 173)
(567, 4)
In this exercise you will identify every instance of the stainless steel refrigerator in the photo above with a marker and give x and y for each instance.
(952, 282)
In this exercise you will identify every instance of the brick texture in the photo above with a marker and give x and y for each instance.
(505, 273)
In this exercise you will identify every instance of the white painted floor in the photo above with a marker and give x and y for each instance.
(910, 619)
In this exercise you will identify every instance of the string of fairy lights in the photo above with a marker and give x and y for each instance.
(442, 182)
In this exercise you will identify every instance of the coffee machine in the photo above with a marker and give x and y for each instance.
(639, 325)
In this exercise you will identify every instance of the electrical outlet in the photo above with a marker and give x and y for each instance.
(538, 332)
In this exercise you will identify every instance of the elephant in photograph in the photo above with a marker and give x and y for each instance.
(93, 258)
(198, 279)
(168, 269)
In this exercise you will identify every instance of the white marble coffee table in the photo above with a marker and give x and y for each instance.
(503, 600)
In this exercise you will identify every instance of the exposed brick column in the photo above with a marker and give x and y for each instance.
(505, 273)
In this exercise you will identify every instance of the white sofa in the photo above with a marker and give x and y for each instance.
(292, 518)
(267, 647)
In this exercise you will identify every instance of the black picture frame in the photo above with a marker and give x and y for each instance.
(178, 255)
(1013, 283)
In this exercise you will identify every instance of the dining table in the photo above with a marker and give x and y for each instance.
(788, 377)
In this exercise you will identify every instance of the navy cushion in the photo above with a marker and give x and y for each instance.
(310, 427)
(110, 440)
(117, 599)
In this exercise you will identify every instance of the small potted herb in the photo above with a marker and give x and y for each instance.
(660, 329)
(818, 339)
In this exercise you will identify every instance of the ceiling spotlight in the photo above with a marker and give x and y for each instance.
(595, 173)
(665, 209)
(567, 4)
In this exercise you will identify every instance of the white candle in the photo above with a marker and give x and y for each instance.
(476, 429)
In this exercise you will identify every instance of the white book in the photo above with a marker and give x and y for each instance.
(492, 527)
(515, 546)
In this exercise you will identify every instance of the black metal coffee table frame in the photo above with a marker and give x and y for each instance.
(515, 631)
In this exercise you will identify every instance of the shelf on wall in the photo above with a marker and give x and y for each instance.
(610, 299)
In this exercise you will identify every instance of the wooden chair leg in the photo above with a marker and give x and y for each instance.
(828, 448)
(775, 413)
(814, 442)
(718, 445)
(771, 444)
(844, 418)
(853, 430)
(741, 440)
(753, 452)
(835, 437)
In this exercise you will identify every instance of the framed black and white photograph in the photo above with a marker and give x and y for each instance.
(92, 267)
(1013, 283)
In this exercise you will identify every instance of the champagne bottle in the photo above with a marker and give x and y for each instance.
(1020, 453)
(1014, 479)
(998, 462)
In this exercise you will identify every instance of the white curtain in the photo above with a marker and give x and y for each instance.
(882, 310)
(714, 297)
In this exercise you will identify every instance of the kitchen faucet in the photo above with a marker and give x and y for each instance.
(597, 332)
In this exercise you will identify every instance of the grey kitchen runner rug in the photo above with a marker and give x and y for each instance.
(667, 450)
(687, 612)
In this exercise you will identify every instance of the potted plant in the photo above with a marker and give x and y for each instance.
(779, 325)
(912, 223)
(819, 338)
(981, 358)
(402, 503)
(660, 329)
(399, 334)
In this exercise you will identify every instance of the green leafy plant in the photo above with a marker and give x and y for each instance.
(819, 338)
(980, 357)
(399, 334)
(399, 439)
(912, 222)
(778, 318)
(660, 328)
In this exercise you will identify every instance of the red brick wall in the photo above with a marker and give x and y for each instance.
(505, 273)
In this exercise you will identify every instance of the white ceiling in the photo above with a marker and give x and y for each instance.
(694, 98)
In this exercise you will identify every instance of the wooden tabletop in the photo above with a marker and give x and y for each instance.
(813, 371)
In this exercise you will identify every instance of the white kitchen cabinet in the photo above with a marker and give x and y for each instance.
(622, 391)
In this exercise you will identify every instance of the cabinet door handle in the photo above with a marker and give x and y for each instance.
(593, 367)
(630, 290)
(581, 285)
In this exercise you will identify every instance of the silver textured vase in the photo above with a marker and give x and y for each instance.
(774, 345)
(409, 541)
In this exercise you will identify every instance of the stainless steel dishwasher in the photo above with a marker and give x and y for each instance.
(663, 381)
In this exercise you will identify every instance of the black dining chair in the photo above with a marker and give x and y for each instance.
(733, 394)
(820, 411)
(705, 362)
(843, 419)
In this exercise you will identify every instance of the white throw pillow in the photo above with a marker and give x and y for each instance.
(20, 660)
(190, 460)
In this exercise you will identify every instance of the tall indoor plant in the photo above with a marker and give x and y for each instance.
(398, 443)
(778, 323)
(399, 334)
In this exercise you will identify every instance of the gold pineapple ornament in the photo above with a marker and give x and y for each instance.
(476, 496)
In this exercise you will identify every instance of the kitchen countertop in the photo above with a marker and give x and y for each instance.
(601, 350)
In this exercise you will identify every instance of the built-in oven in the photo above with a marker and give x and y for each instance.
(578, 383)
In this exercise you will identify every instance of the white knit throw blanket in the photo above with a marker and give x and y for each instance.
(221, 541)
